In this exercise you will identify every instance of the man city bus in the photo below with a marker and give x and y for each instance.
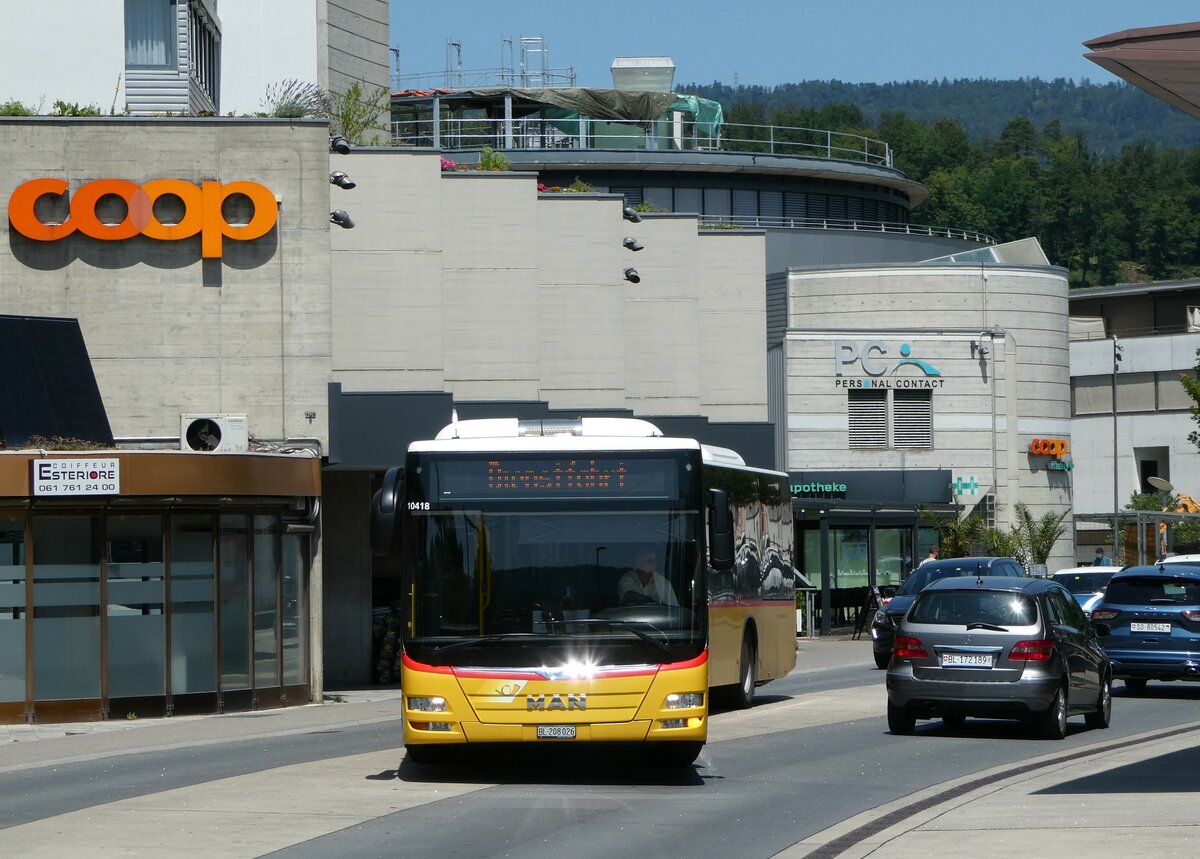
(583, 581)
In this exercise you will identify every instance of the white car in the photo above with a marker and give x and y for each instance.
(1086, 584)
(1179, 559)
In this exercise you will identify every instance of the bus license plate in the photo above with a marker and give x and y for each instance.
(966, 660)
(556, 732)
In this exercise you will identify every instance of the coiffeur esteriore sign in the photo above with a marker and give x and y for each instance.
(202, 211)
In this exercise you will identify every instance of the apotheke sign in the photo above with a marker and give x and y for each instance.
(61, 477)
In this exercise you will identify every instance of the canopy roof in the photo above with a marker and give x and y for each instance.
(1163, 61)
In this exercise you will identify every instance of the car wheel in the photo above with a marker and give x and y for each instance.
(1135, 686)
(882, 659)
(1103, 714)
(1052, 723)
(954, 721)
(744, 693)
(900, 720)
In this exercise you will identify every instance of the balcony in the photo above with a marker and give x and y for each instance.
(678, 134)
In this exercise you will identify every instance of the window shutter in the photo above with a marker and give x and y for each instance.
(912, 419)
(868, 418)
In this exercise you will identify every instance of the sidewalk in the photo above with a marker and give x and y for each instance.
(1128, 797)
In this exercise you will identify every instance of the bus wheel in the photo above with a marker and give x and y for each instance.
(744, 693)
(682, 754)
(431, 755)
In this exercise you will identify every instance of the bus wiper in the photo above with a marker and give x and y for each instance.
(480, 639)
(637, 627)
(981, 625)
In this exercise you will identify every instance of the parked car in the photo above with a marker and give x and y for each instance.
(1086, 584)
(1179, 559)
(1149, 624)
(998, 647)
(883, 625)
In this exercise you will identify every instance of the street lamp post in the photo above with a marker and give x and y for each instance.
(1118, 353)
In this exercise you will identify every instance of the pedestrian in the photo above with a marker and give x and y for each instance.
(1102, 560)
(934, 552)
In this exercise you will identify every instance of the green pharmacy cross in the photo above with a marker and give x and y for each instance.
(962, 486)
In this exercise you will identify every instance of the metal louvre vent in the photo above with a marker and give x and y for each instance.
(868, 418)
(912, 419)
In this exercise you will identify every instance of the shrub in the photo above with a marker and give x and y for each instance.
(489, 159)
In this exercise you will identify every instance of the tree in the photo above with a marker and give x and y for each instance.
(1191, 385)
(958, 536)
(1038, 536)
(355, 112)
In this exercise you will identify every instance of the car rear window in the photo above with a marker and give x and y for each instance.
(1000, 608)
(1084, 583)
(916, 582)
(1147, 590)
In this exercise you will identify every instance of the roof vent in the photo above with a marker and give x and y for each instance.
(644, 74)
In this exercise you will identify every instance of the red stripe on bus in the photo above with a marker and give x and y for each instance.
(691, 663)
(412, 665)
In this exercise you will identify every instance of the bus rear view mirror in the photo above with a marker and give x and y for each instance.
(720, 530)
(385, 509)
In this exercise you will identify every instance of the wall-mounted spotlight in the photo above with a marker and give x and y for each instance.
(339, 144)
(632, 243)
(631, 214)
(978, 348)
(632, 275)
(341, 180)
(339, 217)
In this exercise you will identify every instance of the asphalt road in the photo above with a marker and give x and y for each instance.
(814, 751)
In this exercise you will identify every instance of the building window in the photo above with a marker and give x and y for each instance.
(912, 419)
(868, 418)
(150, 33)
(911, 424)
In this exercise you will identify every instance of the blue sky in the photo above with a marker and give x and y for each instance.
(770, 42)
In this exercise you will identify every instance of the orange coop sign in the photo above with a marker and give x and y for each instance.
(1055, 447)
(202, 211)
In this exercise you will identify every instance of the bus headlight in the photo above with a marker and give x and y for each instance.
(683, 700)
(427, 705)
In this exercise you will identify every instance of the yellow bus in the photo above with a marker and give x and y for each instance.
(583, 581)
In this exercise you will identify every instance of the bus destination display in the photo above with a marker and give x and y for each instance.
(582, 477)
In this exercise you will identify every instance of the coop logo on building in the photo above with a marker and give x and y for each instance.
(874, 361)
(201, 211)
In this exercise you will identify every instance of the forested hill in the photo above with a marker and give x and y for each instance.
(1110, 115)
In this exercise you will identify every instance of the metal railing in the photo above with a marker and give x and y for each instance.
(682, 135)
(737, 222)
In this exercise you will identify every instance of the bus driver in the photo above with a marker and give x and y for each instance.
(644, 584)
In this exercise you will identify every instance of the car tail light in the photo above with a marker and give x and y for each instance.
(907, 647)
(1032, 650)
(1191, 615)
(1104, 613)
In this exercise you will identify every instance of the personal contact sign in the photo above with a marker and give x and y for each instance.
(62, 477)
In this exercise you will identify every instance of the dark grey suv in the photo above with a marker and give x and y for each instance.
(883, 625)
(998, 648)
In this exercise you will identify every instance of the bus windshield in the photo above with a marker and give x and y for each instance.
(519, 575)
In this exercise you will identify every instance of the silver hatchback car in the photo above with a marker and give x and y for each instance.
(998, 648)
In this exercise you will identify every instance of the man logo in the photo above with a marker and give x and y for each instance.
(574, 702)
(202, 211)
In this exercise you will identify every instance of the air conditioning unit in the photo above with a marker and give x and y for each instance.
(214, 433)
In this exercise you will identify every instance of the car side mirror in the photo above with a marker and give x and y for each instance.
(385, 511)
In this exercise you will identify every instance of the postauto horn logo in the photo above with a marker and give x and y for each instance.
(202, 211)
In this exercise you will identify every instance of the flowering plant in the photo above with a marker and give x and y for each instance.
(447, 164)
(541, 187)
